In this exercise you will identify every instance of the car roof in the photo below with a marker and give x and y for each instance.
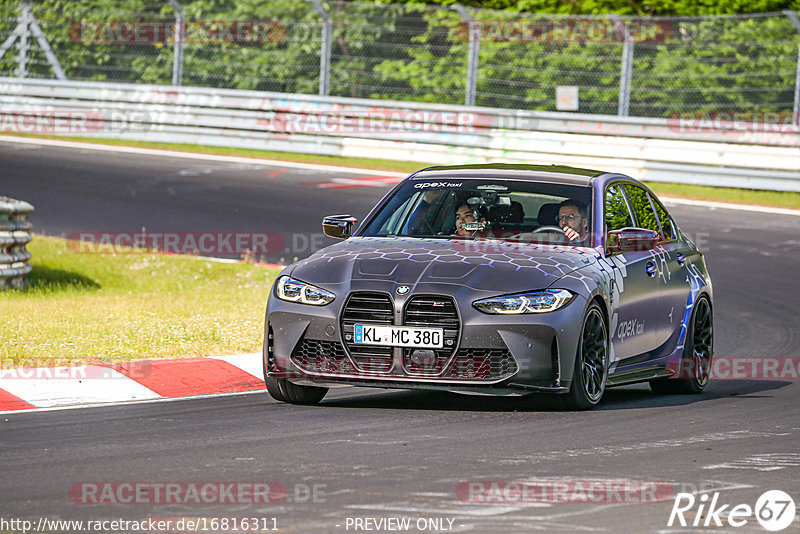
(559, 174)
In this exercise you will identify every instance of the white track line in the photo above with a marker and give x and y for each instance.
(729, 206)
(193, 155)
(131, 402)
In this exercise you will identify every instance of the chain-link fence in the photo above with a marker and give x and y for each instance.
(649, 67)
(747, 63)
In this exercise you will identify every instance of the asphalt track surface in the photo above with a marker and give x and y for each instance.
(379, 454)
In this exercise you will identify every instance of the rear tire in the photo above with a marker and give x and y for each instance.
(698, 351)
(591, 363)
(284, 391)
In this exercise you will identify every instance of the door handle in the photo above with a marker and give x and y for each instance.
(650, 269)
(681, 259)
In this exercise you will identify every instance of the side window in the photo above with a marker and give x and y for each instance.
(642, 209)
(617, 213)
(667, 227)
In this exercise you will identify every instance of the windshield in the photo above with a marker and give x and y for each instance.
(471, 208)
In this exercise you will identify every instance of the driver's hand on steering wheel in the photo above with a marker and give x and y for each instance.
(571, 234)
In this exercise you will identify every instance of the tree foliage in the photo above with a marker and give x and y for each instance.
(418, 52)
(681, 8)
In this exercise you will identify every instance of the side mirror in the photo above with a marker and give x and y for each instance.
(340, 226)
(630, 240)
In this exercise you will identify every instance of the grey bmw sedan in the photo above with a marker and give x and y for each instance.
(496, 279)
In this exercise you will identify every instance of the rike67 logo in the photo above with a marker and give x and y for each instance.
(774, 511)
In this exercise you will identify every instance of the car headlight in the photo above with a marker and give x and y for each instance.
(292, 290)
(533, 302)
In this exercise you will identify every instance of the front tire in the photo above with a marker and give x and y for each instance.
(591, 362)
(273, 389)
(282, 390)
(698, 350)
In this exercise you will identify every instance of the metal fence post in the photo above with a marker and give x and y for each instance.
(41, 38)
(9, 42)
(180, 32)
(792, 16)
(472, 55)
(24, 44)
(27, 24)
(325, 48)
(626, 68)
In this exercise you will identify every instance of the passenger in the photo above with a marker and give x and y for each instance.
(464, 214)
(572, 219)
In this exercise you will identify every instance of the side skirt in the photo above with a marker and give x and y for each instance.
(638, 375)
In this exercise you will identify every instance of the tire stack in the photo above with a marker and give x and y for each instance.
(14, 236)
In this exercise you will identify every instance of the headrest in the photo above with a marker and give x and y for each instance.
(502, 213)
(547, 215)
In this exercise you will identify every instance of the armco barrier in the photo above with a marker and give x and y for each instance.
(733, 154)
(14, 235)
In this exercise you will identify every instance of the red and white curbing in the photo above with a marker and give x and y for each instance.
(50, 387)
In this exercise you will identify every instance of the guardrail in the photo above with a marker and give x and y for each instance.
(717, 153)
(14, 236)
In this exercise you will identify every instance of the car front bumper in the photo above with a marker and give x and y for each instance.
(492, 354)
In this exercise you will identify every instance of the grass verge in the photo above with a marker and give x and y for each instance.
(106, 307)
(778, 199)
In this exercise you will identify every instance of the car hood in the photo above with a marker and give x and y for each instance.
(484, 265)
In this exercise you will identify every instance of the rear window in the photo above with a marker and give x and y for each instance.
(639, 201)
(616, 208)
(667, 226)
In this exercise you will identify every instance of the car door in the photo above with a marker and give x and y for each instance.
(631, 327)
(675, 256)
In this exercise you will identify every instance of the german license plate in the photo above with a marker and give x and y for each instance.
(398, 336)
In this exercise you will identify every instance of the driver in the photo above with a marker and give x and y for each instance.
(572, 220)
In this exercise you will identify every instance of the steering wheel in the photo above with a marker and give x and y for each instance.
(550, 228)
(556, 230)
